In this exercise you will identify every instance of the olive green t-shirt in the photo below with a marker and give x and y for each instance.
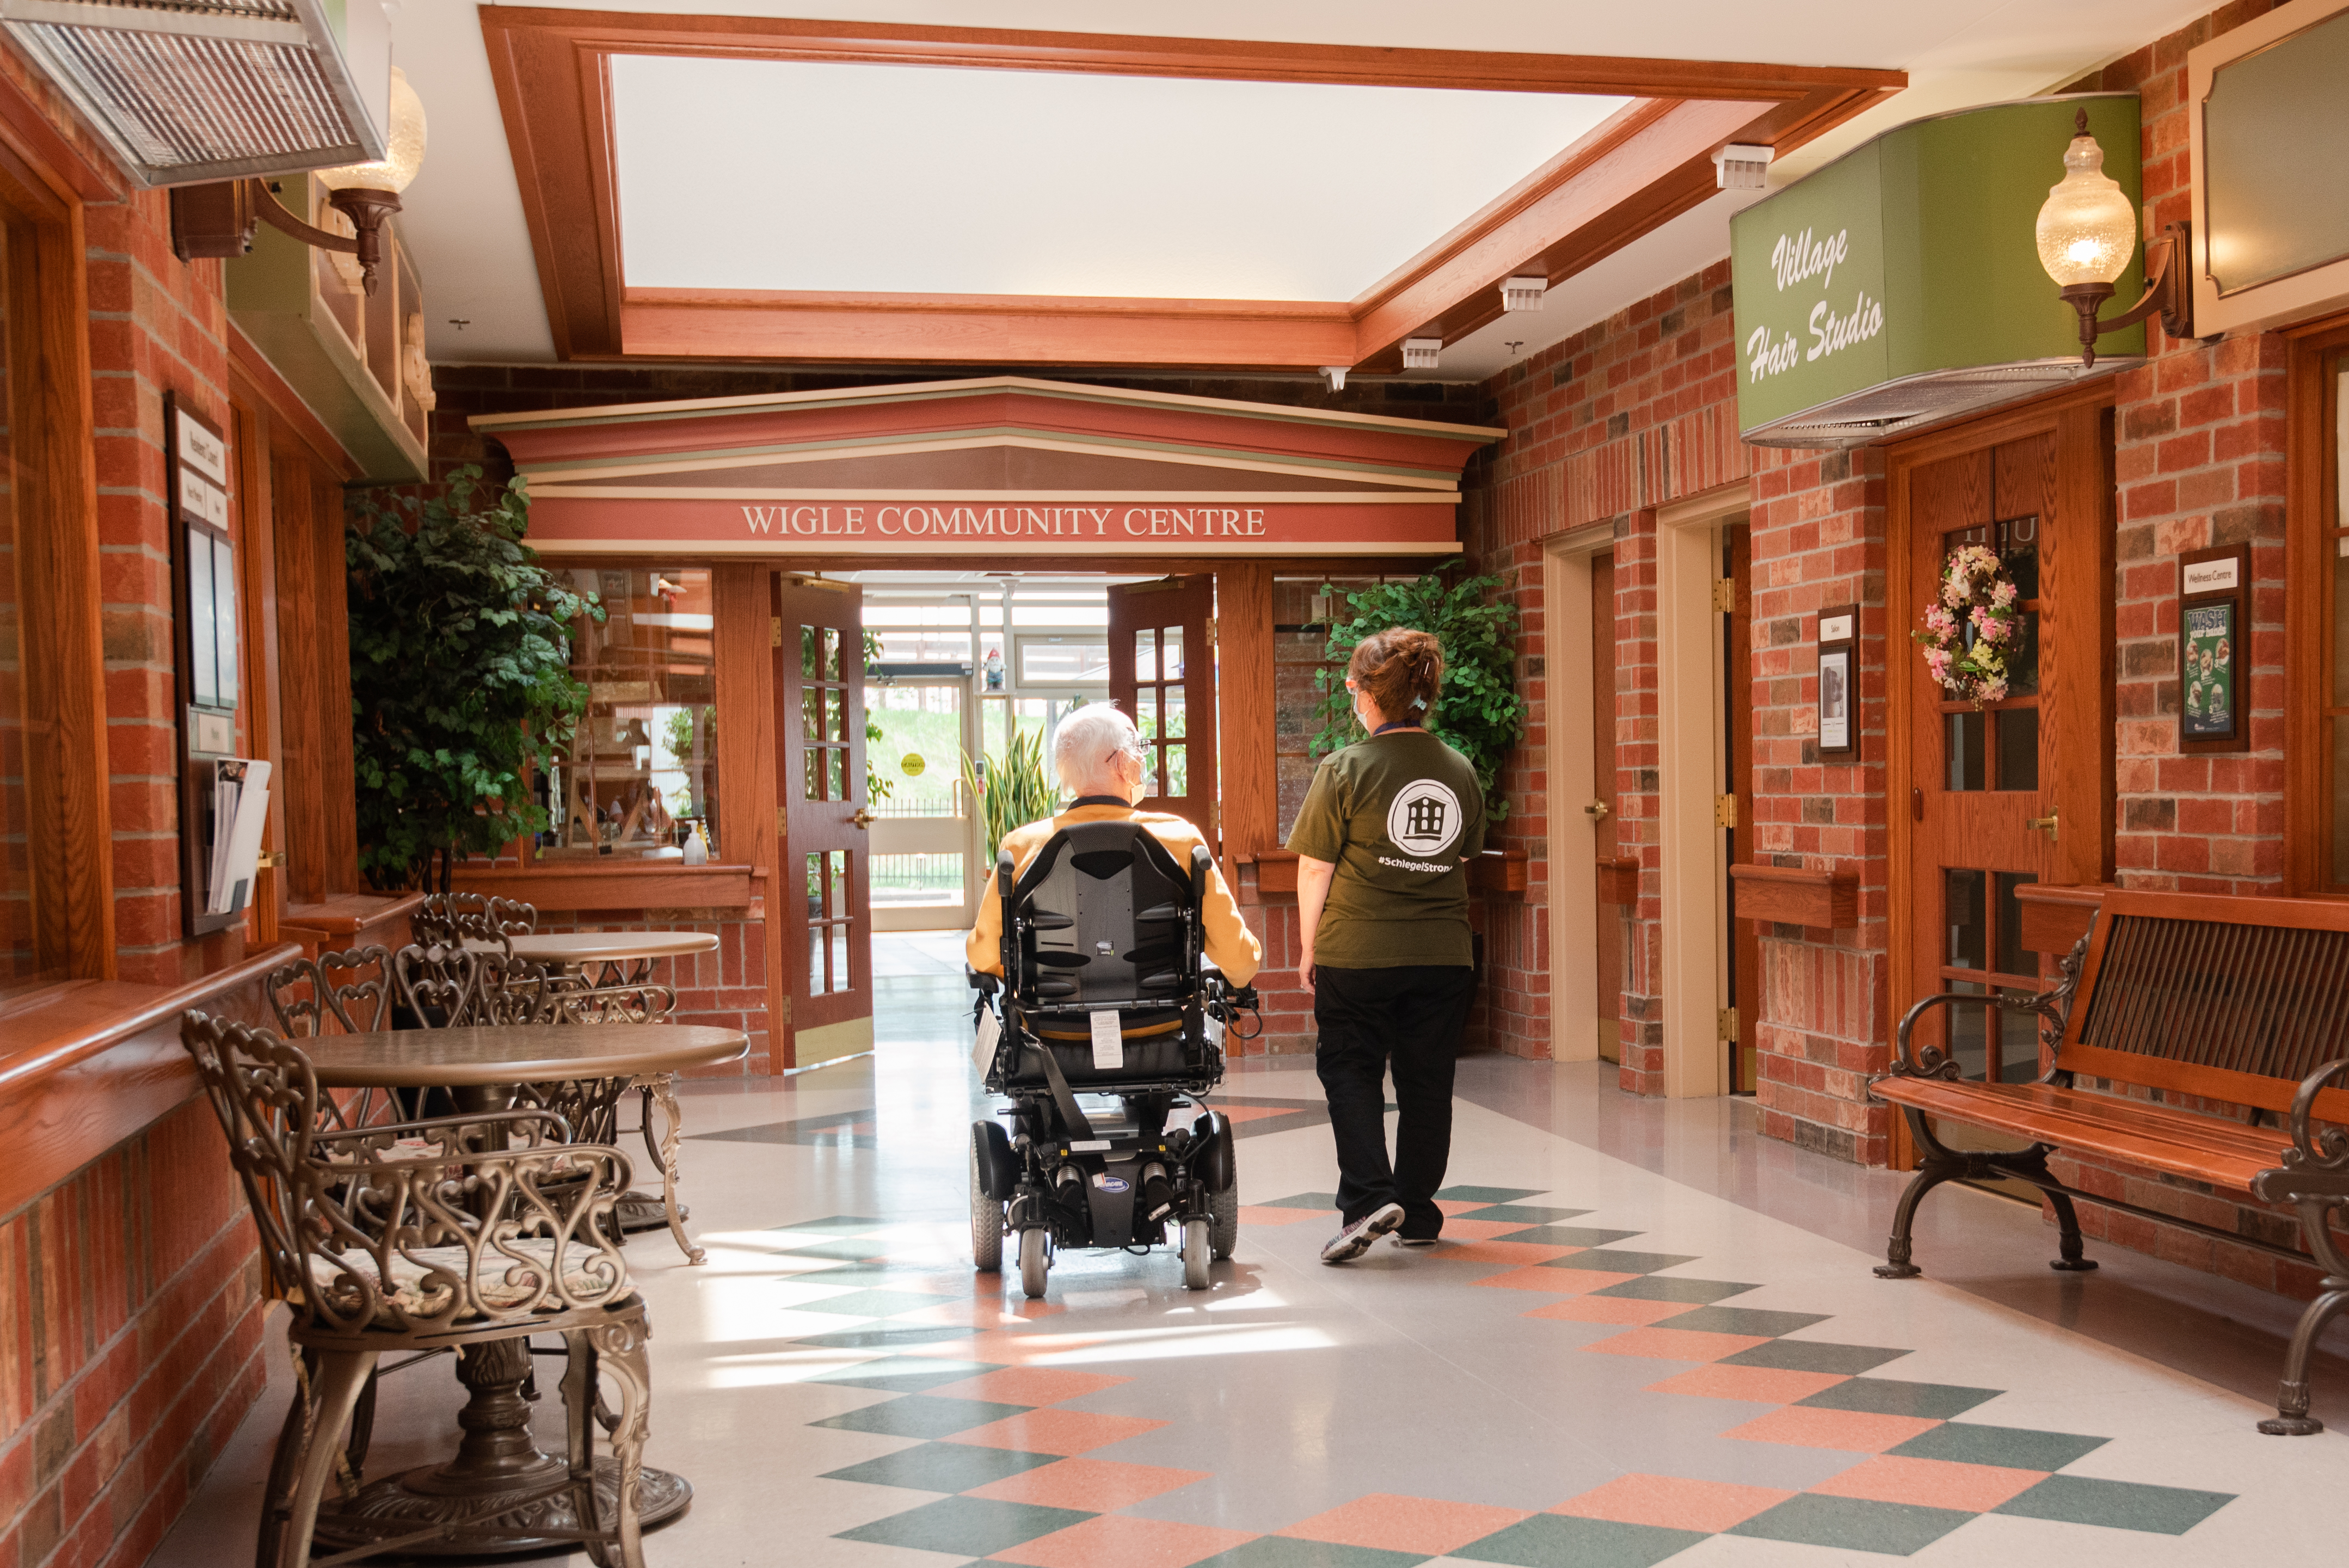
(1397, 814)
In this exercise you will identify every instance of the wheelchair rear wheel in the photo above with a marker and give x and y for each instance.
(1224, 1207)
(1034, 1265)
(986, 1225)
(1196, 1249)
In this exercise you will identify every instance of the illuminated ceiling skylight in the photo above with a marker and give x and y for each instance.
(754, 174)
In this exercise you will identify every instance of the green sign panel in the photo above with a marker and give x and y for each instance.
(1914, 255)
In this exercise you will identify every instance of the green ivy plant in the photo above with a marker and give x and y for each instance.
(1477, 708)
(460, 675)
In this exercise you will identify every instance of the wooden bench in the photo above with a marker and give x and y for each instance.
(2239, 1001)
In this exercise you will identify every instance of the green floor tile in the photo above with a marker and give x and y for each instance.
(920, 1416)
(2015, 1448)
(847, 1252)
(1655, 1287)
(1813, 1355)
(879, 1338)
(1535, 1214)
(1487, 1194)
(843, 1224)
(941, 1467)
(1852, 1524)
(966, 1526)
(1302, 1201)
(906, 1374)
(1284, 1551)
(1566, 1235)
(1890, 1397)
(1618, 1262)
(874, 1303)
(1561, 1541)
(1736, 1319)
(2118, 1504)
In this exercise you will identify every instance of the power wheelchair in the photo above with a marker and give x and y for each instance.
(1105, 992)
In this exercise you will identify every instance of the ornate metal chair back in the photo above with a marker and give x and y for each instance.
(416, 1227)
(439, 984)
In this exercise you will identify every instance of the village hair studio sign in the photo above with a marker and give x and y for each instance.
(1900, 284)
(996, 466)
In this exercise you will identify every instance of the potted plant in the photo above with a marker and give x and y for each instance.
(1478, 711)
(460, 675)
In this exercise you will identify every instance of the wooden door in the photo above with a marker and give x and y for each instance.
(1162, 670)
(1998, 795)
(1741, 943)
(826, 886)
(1608, 954)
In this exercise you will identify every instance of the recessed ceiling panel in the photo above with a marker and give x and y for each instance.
(759, 174)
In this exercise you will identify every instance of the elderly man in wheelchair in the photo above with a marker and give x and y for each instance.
(1109, 957)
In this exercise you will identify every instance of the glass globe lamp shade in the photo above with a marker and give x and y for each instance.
(395, 172)
(2087, 229)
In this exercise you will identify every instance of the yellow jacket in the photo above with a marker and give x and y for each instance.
(1231, 945)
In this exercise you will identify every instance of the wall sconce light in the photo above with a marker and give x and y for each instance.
(2087, 232)
(218, 219)
(1523, 293)
(1419, 353)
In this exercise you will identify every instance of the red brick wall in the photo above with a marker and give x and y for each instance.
(1818, 540)
(157, 324)
(129, 1308)
(2200, 461)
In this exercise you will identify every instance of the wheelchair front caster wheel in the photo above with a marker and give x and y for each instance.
(1197, 1252)
(1034, 1264)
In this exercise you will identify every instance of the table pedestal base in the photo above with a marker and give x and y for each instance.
(499, 1480)
(539, 1520)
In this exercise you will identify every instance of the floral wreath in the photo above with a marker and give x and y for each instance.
(1978, 595)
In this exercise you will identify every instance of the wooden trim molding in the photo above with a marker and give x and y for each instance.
(2311, 483)
(1797, 895)
(1646, 165)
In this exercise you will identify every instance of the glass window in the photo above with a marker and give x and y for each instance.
(1071, 660)
(642, 771)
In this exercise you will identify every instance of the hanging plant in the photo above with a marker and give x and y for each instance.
(1969, 633)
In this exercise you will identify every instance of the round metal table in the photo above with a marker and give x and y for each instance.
(498, 1460)
(626, 960)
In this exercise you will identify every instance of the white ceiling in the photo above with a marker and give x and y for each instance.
(922, 180)
(464, 222)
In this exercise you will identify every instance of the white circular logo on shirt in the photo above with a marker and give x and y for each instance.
(1424, 819)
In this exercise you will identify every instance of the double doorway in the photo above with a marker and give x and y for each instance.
(894, 691)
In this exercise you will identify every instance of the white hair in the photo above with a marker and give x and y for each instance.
(1083, 743)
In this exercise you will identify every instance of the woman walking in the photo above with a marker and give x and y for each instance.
(1382, 842)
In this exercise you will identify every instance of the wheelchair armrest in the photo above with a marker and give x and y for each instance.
(985, 983)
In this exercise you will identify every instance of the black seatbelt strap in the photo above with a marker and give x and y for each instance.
(1080, 1129)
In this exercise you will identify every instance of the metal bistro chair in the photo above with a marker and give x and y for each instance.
(309, 992)
(457, 1233)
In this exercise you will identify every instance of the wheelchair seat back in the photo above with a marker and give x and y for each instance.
(1105, 916)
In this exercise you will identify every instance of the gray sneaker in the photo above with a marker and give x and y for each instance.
(1355, 1239)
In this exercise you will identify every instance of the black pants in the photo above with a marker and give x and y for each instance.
(1410, 1018)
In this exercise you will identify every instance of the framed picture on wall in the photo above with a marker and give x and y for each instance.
(1838, 697)
(2213, 649)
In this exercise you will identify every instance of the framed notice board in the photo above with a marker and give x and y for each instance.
(2214, 649)
(1838, 694)
(204, 602)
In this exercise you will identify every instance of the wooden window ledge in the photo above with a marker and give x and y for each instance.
(1797, 895)
(656, 884)
(1494, 872)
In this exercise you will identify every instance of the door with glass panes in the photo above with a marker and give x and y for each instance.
(2009, 793)
(826, 905)
(1162, 670)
